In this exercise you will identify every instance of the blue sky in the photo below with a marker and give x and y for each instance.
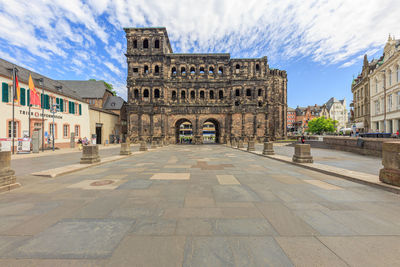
(320, 43)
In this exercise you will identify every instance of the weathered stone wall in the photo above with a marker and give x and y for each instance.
(239, 95)
(363, 146)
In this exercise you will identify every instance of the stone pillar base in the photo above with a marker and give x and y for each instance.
(390, 173)
(153, 145)
(240, 144)
(302, 154)
(233, 144)
(125, 149)
(143, 146)
(90, 154)
(251, 146)
(268, 148)
(390, 176)
(8, 180)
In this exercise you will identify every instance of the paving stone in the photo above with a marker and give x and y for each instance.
(136, 212)
(323, 185)
(76, 238)
(135, 184)
(149, 251)
(227, 180)
(308, 251)
(232, 193)
(171, 176)
(153, 227)
(247, 227)
(284, 221)
(195, 227)
(324, 224)
(365, 250)
(199, 201)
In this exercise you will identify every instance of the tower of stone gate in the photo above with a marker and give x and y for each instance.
(243, 98)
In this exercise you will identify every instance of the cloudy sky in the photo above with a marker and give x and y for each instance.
(320, 43)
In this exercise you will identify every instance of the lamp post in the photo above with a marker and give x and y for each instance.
(54, 109)
(41, 83)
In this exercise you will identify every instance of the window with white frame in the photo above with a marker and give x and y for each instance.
(398, 100)
(398, 74)
(377, 106)
(51, 129)
(390, 78)
(76, 130)
(10, 129)
(390, 103)
(376, 85)
(65, 130)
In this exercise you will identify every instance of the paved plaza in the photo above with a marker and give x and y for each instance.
(207, 205)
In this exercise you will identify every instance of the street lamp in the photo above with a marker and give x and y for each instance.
(41, 83)
(54, 109)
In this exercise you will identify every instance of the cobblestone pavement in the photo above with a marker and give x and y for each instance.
(336, 158)
(204, 205)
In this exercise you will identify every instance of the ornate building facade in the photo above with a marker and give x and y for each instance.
(243, 98)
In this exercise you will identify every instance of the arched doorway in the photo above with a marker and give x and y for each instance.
(211, 132)
(183, 131)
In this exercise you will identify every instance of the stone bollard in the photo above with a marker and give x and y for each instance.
(143, 146)
(125, 149)
(268, 148)
(251, 146)
(153, 144)
(234, 143)
(390, 174)
(302, 153)
(160, 143)
(8, 180)
(90, 154)
(240, 144)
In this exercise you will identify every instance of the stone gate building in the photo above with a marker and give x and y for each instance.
(243, 98)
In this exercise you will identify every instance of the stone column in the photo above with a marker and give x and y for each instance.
(143, 146)
(251, 145)
(302, 153)
(240, 143)
(390, 173)
(90, 154)
(268, 148)
(125, 149)
(8, 180)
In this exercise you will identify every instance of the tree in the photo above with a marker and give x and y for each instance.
(321, 125)
(108, 85)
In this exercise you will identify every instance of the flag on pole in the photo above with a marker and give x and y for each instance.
(34, 97)
(16, 88)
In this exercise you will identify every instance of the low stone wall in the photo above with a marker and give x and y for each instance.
(363, 146)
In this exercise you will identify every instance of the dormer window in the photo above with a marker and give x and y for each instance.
(157, 44)
(257, 67)
(220, 70)
(183, 70)
(211, 70)
(201, 70)
(192, 70)
(173, 71)
(134, 43)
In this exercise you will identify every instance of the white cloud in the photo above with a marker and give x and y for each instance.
(112, 67)
(87, 35)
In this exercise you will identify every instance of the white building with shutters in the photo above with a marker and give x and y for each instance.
(73, 116)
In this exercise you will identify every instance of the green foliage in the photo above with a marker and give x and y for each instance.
(108, 85)
(321, 125)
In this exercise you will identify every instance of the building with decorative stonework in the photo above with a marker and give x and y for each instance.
(244, 98)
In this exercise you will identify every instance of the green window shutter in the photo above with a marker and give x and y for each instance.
(28, 97)
(69, 107)
(80, 109)
(22, 96)
(61, 105)
(47, 97)
(42, 104)
(5, 92)
(46, 100)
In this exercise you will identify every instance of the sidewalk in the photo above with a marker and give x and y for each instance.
(57, 152)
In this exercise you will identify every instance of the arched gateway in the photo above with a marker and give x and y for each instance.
(215, 97)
